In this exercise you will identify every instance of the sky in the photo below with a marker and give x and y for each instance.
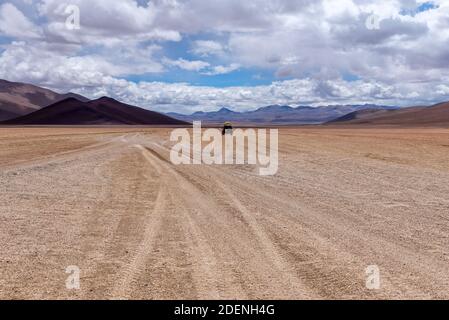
(201, 55)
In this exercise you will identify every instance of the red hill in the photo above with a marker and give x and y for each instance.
(103, 111)
(436, 115)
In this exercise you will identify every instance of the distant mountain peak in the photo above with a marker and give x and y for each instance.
(105, 99)
(276, 114)
(225, 110)
(69, 99)
(275, 107)
(18, 99)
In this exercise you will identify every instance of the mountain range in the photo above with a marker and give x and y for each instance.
(278, 114)
(103, 111)
(18, 99)
(26, 104)
(435, 115)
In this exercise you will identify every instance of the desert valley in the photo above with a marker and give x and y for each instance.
(81, 187)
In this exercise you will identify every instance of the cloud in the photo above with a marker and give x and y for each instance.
(305, 46)
(186, 98)
(217, 70)
(207, 48)
(13, 23)
(41, 65)
(105, 22)
(187, 65)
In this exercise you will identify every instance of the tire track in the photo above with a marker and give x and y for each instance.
(203, 255)
(123, 289)
(272, 253)
(272, 258)
(270, 249)
(206, 272)
(206, 279)
(103, 223)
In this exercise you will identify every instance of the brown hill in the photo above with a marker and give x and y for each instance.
(18, 99)
(436, 115)
(96, 112)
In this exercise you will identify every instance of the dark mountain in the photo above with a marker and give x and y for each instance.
(18, 99)
(278, 115)
(103, 111)
(360, 115)
(436, 115)
(274, 108)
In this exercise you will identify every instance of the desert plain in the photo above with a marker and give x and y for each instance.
(109, 201)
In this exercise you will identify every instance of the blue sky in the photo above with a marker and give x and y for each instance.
(183, 50)
(412, 11)
(192, 55)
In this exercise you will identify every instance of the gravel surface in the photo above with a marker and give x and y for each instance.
(109, 201)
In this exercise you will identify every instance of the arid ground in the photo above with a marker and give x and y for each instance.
(109, 201)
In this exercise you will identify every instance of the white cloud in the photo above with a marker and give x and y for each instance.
(314, 42)
(182, 97)
(216, 70)
(13, 23)
(187, 64)
(106, 21)
(40, 65)
(201, 66)
(207, 48)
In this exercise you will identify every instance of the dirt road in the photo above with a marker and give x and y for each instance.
(109, 201)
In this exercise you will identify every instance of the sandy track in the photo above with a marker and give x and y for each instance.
(110, 202)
